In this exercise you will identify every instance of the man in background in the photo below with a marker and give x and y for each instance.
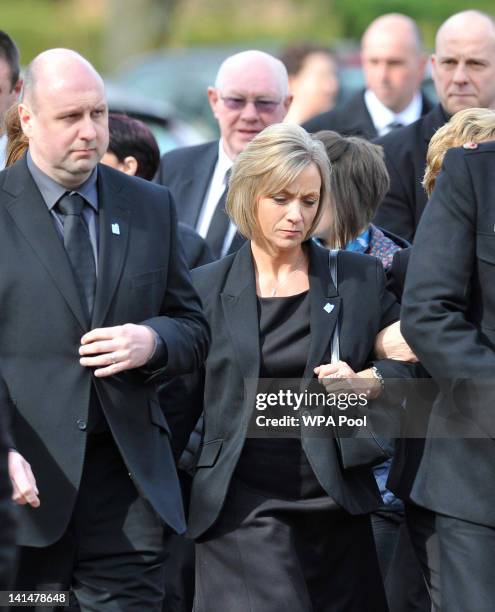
(393, 64)
(463, 70)
(251, 91)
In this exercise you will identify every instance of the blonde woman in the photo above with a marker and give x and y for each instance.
(467, 128)
(278, 523)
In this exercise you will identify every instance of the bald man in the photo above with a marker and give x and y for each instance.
(393, 65)
(463, 70)
(96, 303)
(250, 93)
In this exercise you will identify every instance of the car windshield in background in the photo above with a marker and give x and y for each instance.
(161, 117)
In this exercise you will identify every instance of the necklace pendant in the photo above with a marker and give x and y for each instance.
(274, 292)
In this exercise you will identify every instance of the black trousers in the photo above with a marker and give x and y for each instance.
(111, 554)
(401, 571)
(458, 559)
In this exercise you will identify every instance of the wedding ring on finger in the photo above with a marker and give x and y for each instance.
(113, 358)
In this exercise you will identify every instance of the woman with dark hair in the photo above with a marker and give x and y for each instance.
(132, 148)
(279, 524)
(359, 183)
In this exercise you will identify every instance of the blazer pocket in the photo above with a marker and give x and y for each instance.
(157, 417)
(148, 278)
(209, 453)
(485, 248)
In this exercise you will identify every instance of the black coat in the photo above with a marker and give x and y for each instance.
(228, 291)
(351, 118)
(405, 155)
(142, 278)
(421, 393)
(448, 318)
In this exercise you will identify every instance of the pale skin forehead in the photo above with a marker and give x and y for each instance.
(62, 71)
(467, 27)
(396, 29)
(254, 66)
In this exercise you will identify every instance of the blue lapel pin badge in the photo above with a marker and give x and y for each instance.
(328, 307)
(115, 229)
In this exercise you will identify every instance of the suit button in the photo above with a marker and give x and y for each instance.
(82, 425)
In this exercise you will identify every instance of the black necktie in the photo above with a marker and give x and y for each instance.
(394, 125)
(78, 247)
(219, 224)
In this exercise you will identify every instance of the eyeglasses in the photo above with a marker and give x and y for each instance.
(262, 106)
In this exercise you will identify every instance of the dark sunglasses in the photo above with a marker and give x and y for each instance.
(262, 106)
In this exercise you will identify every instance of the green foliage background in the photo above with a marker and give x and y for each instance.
(90, 25)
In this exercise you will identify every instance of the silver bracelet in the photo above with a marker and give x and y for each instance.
(378, 376)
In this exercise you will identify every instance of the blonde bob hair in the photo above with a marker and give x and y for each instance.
(270, 162)
(469, 125)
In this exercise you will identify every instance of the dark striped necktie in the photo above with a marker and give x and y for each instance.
(78, 246)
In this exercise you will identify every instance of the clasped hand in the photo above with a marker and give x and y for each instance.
(339, 377)
(114, 349)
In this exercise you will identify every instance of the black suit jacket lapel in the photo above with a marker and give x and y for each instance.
(240, 308)
(34, 221)
(192, 190)
(361, 123)
(324, 307)
(432, 121)
(114, 229)
(426, 104)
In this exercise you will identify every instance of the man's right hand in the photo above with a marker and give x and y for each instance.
(23, 482)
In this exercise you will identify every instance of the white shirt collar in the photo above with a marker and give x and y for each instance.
(224, 162)
(3, 150)
(382, 116)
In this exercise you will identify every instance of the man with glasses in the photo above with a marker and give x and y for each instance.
(251, 92)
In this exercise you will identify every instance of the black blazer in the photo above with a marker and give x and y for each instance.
(351, 118)
(448, 318)
(405, 155)
(228, 291)
(142, 277)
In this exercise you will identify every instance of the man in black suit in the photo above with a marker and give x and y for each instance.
(250, 93)
(448, 314)
(463, 69)
(96, 304)
(393, 64)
